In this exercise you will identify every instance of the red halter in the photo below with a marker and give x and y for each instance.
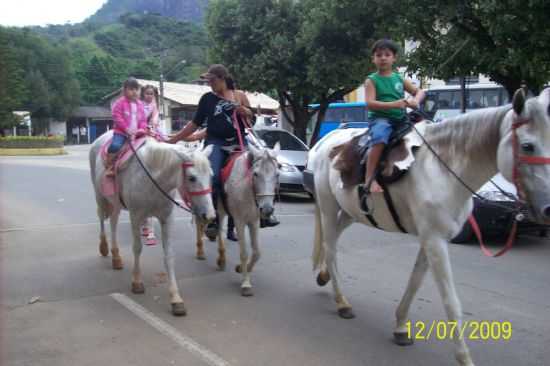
(185, 194)
(516, 177)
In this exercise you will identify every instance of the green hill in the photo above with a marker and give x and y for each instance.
(103, 55)
(187, 10)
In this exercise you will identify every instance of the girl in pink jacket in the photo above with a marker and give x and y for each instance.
(129, 120)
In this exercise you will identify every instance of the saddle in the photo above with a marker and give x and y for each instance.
(394, 162)
(228, 167)
(108, 185)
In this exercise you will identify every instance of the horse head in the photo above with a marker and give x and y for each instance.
(524, 152)
(265, 177)
(195, 186)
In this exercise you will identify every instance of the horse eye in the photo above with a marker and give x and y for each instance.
(528, 147)
(192, 179)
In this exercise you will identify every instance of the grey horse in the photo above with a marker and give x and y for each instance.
(172, 167)
(250, 190)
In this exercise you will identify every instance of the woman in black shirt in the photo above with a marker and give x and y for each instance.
(215, 111)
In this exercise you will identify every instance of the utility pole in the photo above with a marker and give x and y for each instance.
(161, 87)
(462, 94)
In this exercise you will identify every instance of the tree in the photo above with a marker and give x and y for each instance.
(12, 87)
(507, 40)
(304, 51)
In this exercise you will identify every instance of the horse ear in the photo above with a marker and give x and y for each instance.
(208, 150)
(276, 148)
(518, 101)
(254, 150)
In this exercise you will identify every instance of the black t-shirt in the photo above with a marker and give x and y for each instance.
(216, 114)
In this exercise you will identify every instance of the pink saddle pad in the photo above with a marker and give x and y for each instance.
(108, 184)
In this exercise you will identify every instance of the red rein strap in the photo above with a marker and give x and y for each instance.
(484, 249)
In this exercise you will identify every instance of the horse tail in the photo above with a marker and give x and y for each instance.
(318, 255)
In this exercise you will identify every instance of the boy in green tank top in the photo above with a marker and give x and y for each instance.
(386, 104)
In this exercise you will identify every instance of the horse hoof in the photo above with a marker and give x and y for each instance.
(221, 265)
(323, 278)
(238, 268)
(247, 291)
(138, 288)
(178, 309)
(201, 257)
(103, 249)
(117, 263)
(402, 339)
(346, 313)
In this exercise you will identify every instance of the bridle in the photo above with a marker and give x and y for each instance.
(522, 158)
(186, 194)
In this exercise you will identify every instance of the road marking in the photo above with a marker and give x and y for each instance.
(186, 342)
(66, 226)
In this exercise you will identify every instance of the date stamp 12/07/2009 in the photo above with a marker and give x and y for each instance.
(470, 329)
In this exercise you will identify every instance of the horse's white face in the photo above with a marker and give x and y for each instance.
(198, 182)
(533, 140)
(265, 177)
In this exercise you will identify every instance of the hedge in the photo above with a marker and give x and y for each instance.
(31, 142)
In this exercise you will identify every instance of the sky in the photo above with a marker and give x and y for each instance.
(42, 12)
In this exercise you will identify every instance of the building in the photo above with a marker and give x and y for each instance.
(87, 123)
(181, 101)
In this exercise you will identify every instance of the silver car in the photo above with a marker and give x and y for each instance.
(292, 157)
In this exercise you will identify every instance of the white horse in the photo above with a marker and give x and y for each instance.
(250, 190)
(431, 203)
(171, 166)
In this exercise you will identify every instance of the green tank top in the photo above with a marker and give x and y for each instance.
(388, 89)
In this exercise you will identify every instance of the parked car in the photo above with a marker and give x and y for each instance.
(292, 157)
(495, 214)
(492, 219)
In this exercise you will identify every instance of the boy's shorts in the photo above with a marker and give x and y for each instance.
(380, 130)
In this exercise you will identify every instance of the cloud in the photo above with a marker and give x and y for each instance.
(39, 12)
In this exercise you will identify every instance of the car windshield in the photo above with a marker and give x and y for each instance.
(287, 141)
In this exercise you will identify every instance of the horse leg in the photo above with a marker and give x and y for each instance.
(137, 283)
(253, 230)
(246, 285)
(221, 243)
(199, 228)
(438, 260)
(178, 308)
(415, 281)
(103, 245)
(116, 260)
(332, 225)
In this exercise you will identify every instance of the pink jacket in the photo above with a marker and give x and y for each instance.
(122, 116)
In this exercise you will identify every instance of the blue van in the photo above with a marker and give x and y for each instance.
(337, 114)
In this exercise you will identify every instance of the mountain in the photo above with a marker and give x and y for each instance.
(187, 10)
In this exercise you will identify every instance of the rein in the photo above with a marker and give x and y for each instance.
(248, 127)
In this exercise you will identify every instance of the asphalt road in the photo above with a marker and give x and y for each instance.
(85, 313)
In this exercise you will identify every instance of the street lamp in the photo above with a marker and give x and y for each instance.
(161, 87)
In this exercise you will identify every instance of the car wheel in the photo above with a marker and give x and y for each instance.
(465, 235)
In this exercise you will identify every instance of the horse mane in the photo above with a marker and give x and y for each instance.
(156, 155)
(474, 134)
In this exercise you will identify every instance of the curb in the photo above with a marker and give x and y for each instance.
(31, 151)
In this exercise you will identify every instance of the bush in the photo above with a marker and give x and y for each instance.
(31, 142)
